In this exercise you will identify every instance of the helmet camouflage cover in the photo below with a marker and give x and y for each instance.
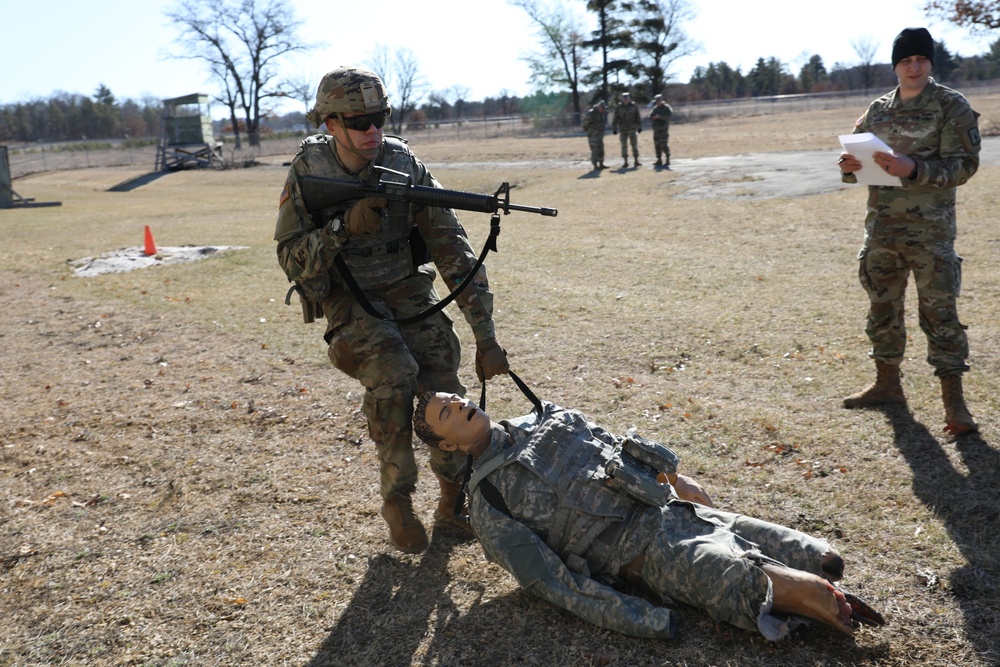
(348, 90)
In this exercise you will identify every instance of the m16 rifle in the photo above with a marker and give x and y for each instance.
(320, 193)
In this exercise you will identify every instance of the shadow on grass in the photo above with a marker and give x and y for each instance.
(968, 506)
(401, 602)
(138, 181)
(393, 610)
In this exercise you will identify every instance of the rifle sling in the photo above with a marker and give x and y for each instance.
(359, 294)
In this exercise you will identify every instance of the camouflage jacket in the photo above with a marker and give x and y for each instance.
(307, 245)
(940, 132)
(562, 529)
(660, 116)
(595, 122)
(627, 118)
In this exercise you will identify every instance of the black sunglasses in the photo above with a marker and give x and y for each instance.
(362, 123)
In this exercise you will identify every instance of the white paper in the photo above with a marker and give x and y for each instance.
(863, 146)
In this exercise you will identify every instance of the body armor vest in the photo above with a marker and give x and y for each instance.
(599, 485)
(376, 260)
(379, 260)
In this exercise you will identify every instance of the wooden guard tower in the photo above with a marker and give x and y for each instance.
(187, 139)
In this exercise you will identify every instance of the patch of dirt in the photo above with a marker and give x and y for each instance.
(130, 259)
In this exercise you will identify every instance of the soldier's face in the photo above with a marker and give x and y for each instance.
(457, 420)
(365, 141)
(913, 73)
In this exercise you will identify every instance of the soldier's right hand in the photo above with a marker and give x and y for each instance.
(365, 217)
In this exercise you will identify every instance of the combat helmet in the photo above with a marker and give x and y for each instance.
(349, 90)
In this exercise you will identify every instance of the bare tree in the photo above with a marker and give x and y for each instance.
(301, 89)
(241, 42)
(449, 101)
(380, 62)
(865, 48)
(410, 86)
(400, 73)
(561, 56)
(230, 98)
(979, 16)
(460, 95)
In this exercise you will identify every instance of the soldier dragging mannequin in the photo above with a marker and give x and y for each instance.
(374, 239)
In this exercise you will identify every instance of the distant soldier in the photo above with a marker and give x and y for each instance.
(659, 117)
(595, 122)
(628, 121)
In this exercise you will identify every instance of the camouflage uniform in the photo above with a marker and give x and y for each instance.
(912, 227)
(660, 120)
(569, 536)
(628, 123)
(392, 362)
(595, 123)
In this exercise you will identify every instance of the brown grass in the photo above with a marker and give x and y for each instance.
(184, 480)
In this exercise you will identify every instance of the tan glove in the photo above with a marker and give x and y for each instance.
(364, 217)
(491, 359)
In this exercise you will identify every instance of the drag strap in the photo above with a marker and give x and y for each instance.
(530, 395)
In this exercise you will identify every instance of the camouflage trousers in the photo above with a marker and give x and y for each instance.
(711, 559)
(596, 142)
(393, 363)
(884, 270)
(629, 137)
(661, 143)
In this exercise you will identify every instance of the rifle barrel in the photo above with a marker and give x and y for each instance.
(540, 210)
(436, 197)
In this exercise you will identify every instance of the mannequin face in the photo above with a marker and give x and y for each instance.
(457, 420)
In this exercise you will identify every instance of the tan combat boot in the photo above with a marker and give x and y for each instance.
(886, 391)
(406, 533)
(957, 419)
(446, 511)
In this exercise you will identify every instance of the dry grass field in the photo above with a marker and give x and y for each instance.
(185, 480)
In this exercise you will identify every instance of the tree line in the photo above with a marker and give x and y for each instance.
(772, 77)
(67, 117)
(629, 45)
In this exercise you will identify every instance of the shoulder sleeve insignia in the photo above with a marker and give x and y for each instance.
(284, 196)
(974, 136)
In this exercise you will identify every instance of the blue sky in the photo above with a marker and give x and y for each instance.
(48, 46)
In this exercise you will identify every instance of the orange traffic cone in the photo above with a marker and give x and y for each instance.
(150, 244)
